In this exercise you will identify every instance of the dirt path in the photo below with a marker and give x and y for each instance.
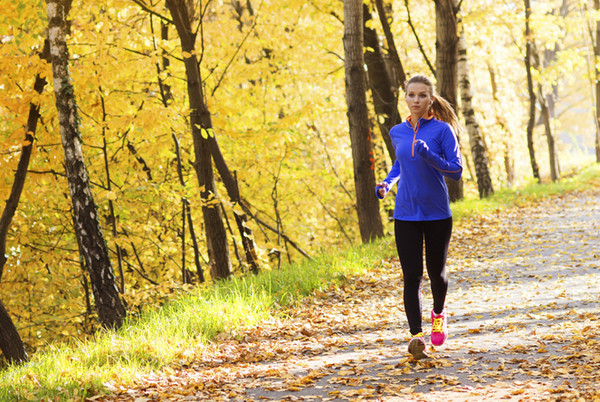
(524, 325)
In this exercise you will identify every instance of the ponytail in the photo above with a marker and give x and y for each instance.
(443, 110)
(440, 108)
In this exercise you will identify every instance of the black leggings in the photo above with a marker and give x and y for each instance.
(409, 242)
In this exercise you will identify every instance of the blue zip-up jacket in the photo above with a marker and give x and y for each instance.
(424, 154)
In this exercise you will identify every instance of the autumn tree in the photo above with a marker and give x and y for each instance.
(548, 93)
(202, 130)
(92, 245)
(229, 180)
(384, 77)
(508, 157)
(478, 150)
(597, 81)
(10, 340)
(369, 220)
(446, 47)
(529, 49)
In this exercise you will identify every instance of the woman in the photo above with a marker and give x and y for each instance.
(426, 150)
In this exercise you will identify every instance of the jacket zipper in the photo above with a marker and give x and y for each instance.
(415, 129)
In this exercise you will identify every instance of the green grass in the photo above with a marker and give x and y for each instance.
(579, 180)
(175, 331)
(178, 329)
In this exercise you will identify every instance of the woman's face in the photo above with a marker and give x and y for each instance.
(418, 98)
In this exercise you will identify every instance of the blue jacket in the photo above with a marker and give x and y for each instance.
(424, 154)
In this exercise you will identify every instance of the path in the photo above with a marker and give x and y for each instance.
(524, 325)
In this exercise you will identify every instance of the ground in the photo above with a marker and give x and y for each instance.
(524, 322)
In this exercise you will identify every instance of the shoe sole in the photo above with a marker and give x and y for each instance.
(417, 349)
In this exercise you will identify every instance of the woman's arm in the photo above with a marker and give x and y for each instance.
(381, 189)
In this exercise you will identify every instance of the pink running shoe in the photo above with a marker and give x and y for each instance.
(439, 330)
(416, 347)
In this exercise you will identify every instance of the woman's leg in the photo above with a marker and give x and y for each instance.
(437, 239)
(409, 243)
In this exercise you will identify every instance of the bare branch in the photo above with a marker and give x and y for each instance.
(146, 8)
(412, 27)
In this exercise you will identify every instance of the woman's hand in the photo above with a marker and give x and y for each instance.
(381, 189)
(421, 148)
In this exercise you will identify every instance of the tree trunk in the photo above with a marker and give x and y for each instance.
(92, 245)
(480, 159)
(202, 131)
(446, 55)
(241, 217)
(532, 98)
(385, 99)
(547, 103)
(597, 87)
(552, 153)
(369, 219)
(509, 163)
(21, 174)
(226, 175)
(10, 342)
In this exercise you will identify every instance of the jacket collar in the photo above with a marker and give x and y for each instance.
(423, 119)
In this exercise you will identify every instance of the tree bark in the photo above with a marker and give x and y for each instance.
(509, 164)
(396, 70)
(92, 245)
(532, 97)
(552, 152)
(597, 86)
(446, 55)
(202, 131)
(10, 342)
(241, 217)
(21, 174)
(369, 219)
(546, 100)
(383, 89)
(478, 150)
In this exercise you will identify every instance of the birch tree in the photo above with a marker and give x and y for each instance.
(92, 246)
(478, 150)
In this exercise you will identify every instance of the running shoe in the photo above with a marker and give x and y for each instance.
(439, 330)
(416, 346)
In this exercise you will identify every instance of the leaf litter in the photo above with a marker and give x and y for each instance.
(524, 325)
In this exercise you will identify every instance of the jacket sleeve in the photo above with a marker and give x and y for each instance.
(450, 163)
(391, 178)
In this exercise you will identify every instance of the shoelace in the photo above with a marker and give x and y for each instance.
(437, 324)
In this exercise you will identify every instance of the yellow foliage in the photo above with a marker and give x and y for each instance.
(273, 82)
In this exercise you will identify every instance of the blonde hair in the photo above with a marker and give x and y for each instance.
(440, 108)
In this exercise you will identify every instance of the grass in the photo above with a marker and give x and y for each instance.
(159, 338)
(578, 180)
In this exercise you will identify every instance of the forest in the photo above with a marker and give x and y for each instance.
(148, 147)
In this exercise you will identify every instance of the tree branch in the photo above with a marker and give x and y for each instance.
(412, 27)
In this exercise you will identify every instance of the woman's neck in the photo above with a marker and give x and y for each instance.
(415, 117)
